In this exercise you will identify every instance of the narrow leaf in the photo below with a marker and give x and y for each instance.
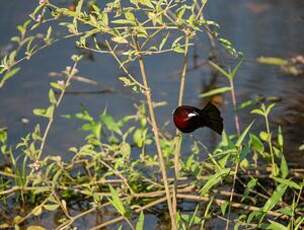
(216, 91)
(236, 68)
(276, 226)
(275, 197)
(221, 70)
(116, 202)
(213, 180)
(289, 183)
(8, 75)
(140, 221)
(243, 135)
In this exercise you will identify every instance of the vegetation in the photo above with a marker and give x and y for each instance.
(125, 164)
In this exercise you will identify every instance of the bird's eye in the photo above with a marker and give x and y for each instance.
(192, 114)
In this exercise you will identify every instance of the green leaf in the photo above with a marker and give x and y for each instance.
(119, 40)
(213, 180)
(228, 47)
(243, 135)
(224, 207)
(116, 202)
(47, 38)
(244, 152)
(37, 211)
(299, 221)
(280, 137)
(236, 68)
(125, 149)
(8, 75)
(41, 190)
(138, 137)
(254, 215)
(44, 112)
(39, 112)
(195, 219)
(52, 97)
(269, 108)
(146, 3)
(245, 104)
(84, 115)
(258, 111)
(76, 13)
(55, 85)
(250, 185)
(216, 91)
(256, 144)
(110, 123)
(123, 22)
(17, 219)
(178, 49)
(264, 136)
(140, 221)
(275, 197)
(126, 81)
(50, 111)
(130, 16)
(288, 182)
(175, 43)
(221, 70)
(35, 227)
(284, 167)
(163, 42)
(288, 211)
(272, 61)
(51, 207)
(276, 226)
(191, 219)
(33, 14)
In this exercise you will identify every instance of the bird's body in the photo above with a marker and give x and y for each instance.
(189, 118)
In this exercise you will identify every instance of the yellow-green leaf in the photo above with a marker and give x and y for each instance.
(216, 91)
(35, 227)
(37, 211)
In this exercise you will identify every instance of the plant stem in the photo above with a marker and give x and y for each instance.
(51, 120)
(270, 144)
(237, 126)
(184, 71)
(138, 210)
(231, 194)
(179, 137)
(147, 92)
(236, 116)
(236, 205)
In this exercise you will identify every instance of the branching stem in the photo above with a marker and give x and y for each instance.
(147, 93)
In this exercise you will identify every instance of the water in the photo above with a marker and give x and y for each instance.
(258, 28)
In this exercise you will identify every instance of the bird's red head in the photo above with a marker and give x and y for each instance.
(186, 118)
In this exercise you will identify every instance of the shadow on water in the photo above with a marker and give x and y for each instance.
(257, 28)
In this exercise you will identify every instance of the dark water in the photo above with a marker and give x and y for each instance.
(257, 28)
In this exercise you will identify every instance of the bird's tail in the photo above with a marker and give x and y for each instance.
(213, 118)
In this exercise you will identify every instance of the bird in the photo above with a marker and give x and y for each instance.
(189, 118)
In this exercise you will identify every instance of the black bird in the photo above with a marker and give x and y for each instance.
(189, 118)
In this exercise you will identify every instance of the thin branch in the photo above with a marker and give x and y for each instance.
(178, 133)
(51, 120)
(156, 136)
(236, 205)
